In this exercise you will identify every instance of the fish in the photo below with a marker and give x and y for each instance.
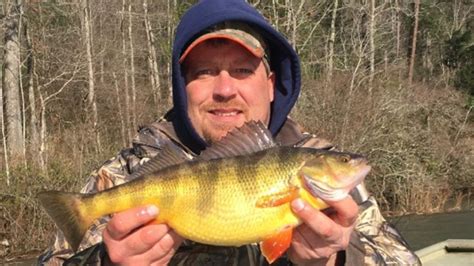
(236, 192)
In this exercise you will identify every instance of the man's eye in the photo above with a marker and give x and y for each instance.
(203, 72)
(243, 71)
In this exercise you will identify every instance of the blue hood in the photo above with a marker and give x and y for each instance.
(283, 61)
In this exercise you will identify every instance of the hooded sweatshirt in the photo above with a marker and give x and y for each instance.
(284, 62)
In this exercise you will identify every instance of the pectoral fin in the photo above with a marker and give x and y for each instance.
(273, 247)
(277, 198)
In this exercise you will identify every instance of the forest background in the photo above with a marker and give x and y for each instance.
(391, 79)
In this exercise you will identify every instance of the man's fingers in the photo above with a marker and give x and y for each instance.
(308, 214)
(317, 221)
(346, 211)
(146, 237)
(166, 247)
(124, 222)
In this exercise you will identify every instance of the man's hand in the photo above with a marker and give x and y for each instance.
(322, 234)
(131, 238)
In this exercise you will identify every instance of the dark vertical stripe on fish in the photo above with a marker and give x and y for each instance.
(248, 170)
(167, 194)
(208, 186)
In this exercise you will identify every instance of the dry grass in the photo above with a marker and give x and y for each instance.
(418, 139)
(25, 229)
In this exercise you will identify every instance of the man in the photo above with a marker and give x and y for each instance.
(230, 66)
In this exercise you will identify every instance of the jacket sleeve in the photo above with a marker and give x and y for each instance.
(377, 240)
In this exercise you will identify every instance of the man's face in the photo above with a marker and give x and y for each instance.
(226, 86)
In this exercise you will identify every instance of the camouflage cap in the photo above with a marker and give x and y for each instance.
(238, 32)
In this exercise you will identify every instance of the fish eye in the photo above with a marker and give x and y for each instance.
(344, 158)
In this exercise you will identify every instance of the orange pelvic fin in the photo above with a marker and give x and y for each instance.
(278, 198)
(273, 247)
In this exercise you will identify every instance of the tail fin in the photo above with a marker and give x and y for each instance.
(66, 211)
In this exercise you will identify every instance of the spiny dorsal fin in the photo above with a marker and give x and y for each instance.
(252, 137)
(167, 157)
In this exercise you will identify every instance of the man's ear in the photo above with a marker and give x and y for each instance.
(271, 86)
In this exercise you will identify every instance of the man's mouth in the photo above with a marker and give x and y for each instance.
(225, 113)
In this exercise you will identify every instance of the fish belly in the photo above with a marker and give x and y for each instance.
(222, 210)
(230, 228)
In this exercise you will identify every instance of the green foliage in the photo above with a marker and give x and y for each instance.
(459, 56)
(183, 6)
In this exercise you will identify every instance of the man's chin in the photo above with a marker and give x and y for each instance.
(215, 134)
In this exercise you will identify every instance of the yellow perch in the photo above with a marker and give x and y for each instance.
(234, 194)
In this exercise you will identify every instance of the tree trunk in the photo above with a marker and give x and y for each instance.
(4, 136)
(296, 18)
(20, 80)
(372, 45)
(276, 20)
(171, 10)
(43, 130)
(91, 98)
(427, 55)
(34, 134)
(125, 74)
(152, 60)
(15, 140)
(332, 39)
(398, 26)
(413, 43)
(120, 111)
(103, 46)
(132, 69)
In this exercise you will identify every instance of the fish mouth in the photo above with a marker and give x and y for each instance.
(327, 192)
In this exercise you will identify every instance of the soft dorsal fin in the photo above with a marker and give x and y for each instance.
(168, 156)
(252, 137)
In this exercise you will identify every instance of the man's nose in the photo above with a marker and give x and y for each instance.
(224, 87)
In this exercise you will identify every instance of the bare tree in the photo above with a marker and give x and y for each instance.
(4, 136)
(398, 26)
(91, 98)
(152, 60)
(413, 42)
(31, 65)
(171, 8)
(332, 38)
(45, 99)
(101, 37)
(371, 45)
(125, 74)
(11, 84)
(132, 68)
(120, 111)
(294, 19)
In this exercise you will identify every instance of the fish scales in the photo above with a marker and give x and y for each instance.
(216, 199)
(224, 208)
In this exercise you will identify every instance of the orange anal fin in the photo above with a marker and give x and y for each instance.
(273, 247)
(277, 199)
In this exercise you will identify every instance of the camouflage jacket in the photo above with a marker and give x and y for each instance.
(373, 242)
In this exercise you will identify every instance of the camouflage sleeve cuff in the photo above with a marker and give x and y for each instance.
(94, 255)
(380, 241)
